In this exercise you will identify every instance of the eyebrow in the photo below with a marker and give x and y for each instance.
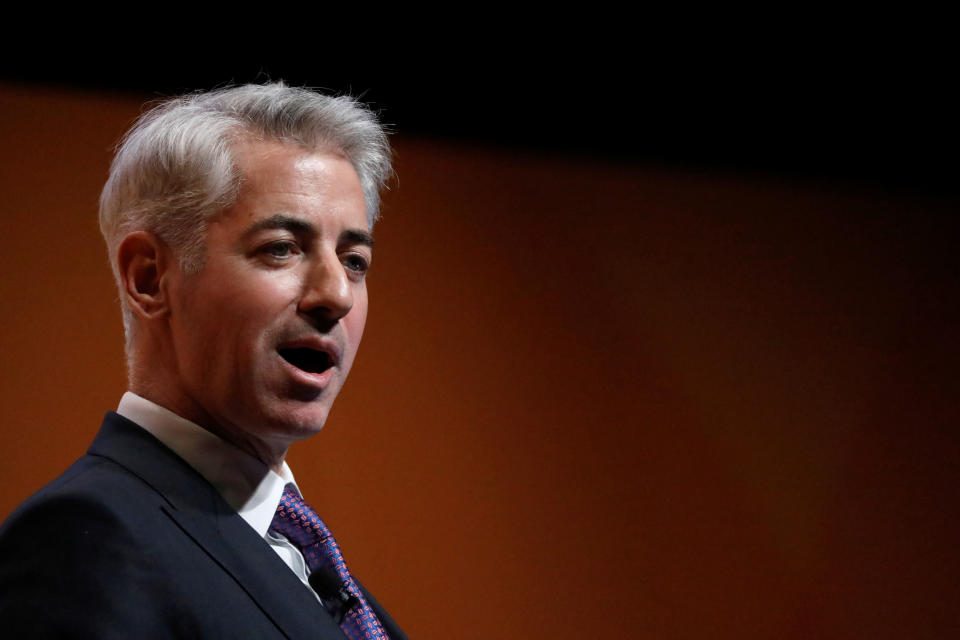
(299, 225)
(284, 222)
(356, 236)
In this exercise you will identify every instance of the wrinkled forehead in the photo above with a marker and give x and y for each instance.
(320, 188)
(268, 164)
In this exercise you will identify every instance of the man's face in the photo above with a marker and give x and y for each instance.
(264, 335)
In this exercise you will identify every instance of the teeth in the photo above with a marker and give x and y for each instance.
(307, 359)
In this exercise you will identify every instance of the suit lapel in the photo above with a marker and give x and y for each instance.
(260, 573)
(203, 516)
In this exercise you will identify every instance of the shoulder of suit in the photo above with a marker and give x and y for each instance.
(94, 497)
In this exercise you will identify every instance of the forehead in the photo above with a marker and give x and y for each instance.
(277, 178)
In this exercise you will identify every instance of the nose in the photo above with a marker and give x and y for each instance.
(327, 294)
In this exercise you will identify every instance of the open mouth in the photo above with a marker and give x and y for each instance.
(307, 359)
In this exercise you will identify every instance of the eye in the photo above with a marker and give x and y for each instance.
(281, 250)
(356, 263)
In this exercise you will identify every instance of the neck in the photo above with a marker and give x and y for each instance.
(271, 455)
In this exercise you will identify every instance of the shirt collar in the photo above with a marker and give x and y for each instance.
(244, 482)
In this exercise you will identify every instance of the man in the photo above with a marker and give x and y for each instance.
(238, 227)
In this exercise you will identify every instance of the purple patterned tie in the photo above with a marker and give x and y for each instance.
(304, 528)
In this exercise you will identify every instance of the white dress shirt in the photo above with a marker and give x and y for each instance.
(244, 482)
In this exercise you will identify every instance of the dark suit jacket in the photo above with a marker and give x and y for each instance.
(131, 542)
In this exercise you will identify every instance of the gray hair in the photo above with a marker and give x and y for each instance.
(174, 170)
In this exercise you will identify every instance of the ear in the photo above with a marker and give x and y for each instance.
(144, 262)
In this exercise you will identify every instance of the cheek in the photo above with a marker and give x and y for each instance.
(357, 317)
(354, 323)
(254, 305)
(197, 323)
(232, 325)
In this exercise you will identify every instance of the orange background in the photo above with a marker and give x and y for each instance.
(594, 399)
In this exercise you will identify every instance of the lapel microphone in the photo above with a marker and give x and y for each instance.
(337, 600)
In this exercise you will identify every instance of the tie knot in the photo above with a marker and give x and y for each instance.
(297, 521)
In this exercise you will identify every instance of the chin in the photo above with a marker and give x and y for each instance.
(297, 420)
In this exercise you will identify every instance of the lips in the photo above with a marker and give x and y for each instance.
(311, 355)
(307, 359)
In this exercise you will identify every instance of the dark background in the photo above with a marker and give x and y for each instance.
(866, 101)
